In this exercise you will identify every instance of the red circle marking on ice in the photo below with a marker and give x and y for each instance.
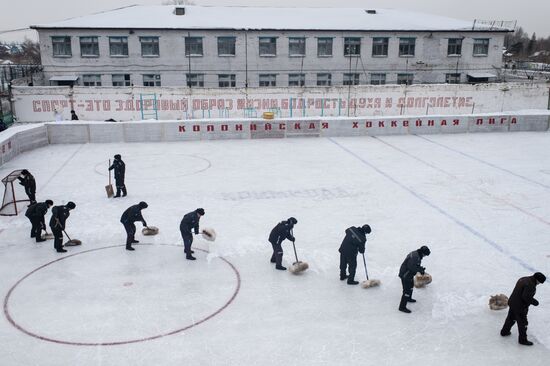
(115, 343)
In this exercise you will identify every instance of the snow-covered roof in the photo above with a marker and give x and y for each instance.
(268, 18)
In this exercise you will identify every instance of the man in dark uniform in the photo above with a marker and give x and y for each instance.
(131, 215)
(409, 268)
(120, 169)
(522, 297)
(27, 180)
(279, 233)
(190, 222)
(57, 224)
(353, 242)
(35, 213)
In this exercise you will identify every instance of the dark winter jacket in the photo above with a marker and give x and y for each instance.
(28, 182)
(59, 216)
(190, 222)
(354, 242)
(37, 210)
(280, 232)
(132, 214)
(411, 265)
(523, 294)
(120, 169)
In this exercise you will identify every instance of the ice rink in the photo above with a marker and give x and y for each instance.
(481, 202)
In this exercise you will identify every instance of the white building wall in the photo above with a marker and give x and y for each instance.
(34, 104)
(429, 65)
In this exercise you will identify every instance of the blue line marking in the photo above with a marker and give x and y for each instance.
(438, 209)
(485, 162)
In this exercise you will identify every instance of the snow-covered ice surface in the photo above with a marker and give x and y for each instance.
(480, 201)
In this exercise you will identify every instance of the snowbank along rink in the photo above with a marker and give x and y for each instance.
(480, 201)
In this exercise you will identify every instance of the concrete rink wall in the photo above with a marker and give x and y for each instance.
(17, 140)
(23, 138)
(213, 129)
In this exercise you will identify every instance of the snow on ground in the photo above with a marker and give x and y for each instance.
(480, 201)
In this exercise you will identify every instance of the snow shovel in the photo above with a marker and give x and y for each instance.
(150, 230)
(71, 242)
(109, 187)
(297, 266)
(209, 234)
(48, 235)
(421, 280)
(368, 283)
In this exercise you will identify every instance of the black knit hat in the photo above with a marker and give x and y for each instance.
(200, 211)
(292, 221)
(24, 172)
(49, 202)
(71, 205)
(117, 156)
(366, 229)
(143, 205)
(424, 250)
(540, 277)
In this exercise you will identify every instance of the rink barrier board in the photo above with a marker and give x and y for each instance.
(14, 143)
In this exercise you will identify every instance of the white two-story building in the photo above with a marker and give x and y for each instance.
(194, 46)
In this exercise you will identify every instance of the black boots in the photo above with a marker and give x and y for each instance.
(343, 276)
(351, 281)
(190, 257)
(61, 250)
(411, 300)
(525, 342)
(280, 268)
(403, 304)
(129, 247)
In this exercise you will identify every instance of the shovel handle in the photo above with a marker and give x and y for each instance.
(109, 172)
(67, 235)
(294, 246)
(365, 263)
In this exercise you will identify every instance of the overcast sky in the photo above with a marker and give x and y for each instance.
(532, 15)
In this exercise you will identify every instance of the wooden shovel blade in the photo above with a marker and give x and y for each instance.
(109, 189)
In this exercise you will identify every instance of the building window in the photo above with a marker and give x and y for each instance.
(151, 80)
(193, 46)
(149, 46)
(380, 46)
(89, 47)
(61, 46)
(406, 79)
(481, 47)
(296, 79)
(324, 47)
(452, 78)
(324, 79)
(351, 79)
(455, 47)
(118, 46)
(226, 46)
(195, 80)
(121, 80)
(268, 80)
(226, 80)
(378, 79)
(352, 46)
(297, 46)
(91, 80)
(406, 46)
(268, 46)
